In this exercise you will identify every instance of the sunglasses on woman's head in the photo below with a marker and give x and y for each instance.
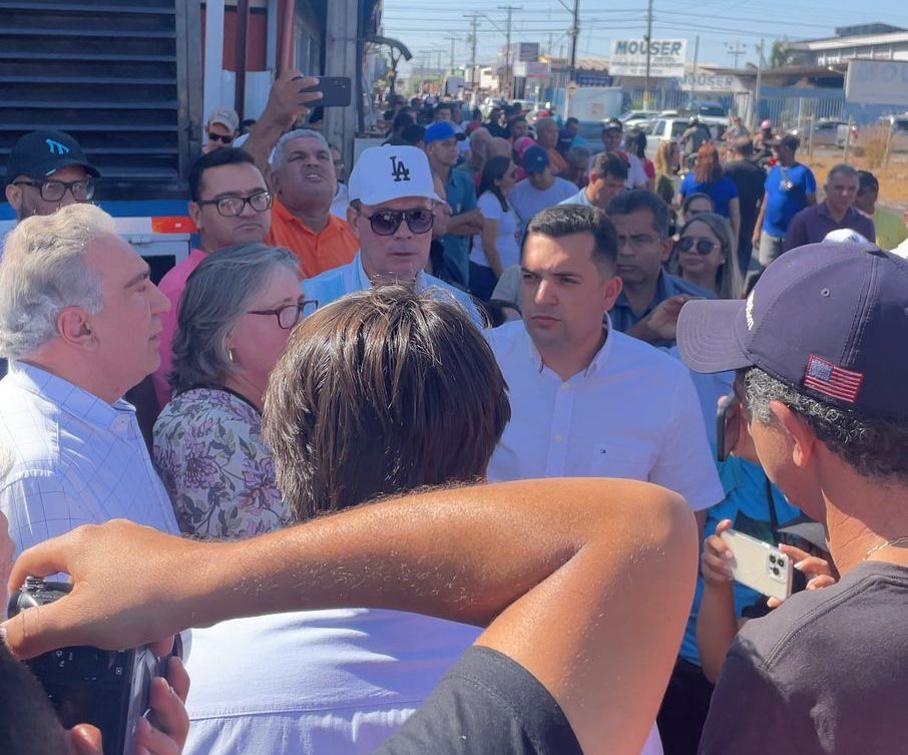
(700, 246)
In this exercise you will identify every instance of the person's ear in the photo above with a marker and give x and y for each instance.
(275, 181)
(195, 212)
(613, 287)
(803, 441)
(353, 216)
(14, 197)
(667, 244)
(75, 329)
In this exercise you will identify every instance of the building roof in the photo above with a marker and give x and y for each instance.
(849, 42)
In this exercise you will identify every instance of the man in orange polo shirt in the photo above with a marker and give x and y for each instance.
(304, 184)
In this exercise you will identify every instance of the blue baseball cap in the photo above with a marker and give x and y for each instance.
(439, 132)
(830, 319)
(535, 160)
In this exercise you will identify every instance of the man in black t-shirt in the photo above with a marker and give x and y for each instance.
(828, 413)
(749, 179)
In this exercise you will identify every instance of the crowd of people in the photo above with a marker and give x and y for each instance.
(512, 345)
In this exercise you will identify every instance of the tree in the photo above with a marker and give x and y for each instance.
(780, 55)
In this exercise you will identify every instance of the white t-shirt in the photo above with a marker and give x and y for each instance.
(314, 682)
(633, 413)
(528, 201)
(508, 231)
(636, 174)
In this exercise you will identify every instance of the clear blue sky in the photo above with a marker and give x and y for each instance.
(427, 27)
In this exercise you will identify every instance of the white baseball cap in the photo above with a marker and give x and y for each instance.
(385, 173)
(226, 117)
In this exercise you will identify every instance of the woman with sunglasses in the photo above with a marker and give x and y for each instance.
(706, 255)
(496, 248)
(235, 317)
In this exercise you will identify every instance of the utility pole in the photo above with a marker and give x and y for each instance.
(648, 39)
(755, 110)
(572, 71)
(453, 40)
(474, 23)
(510, 9)
(736, 51)
(693, 86)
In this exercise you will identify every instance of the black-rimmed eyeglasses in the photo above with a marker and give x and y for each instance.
(231, 207)
(290, 314)
(54, 191)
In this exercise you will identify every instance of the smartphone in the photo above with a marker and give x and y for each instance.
(759, 565)
(336, 91)
(721, 423)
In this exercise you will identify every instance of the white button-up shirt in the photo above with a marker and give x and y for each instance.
(632, 413)
(72, 459)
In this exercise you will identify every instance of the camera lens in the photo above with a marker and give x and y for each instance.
(775, 570)
(772, 559)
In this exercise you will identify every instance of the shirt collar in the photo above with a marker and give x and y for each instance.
(70, 398)
(597, 363)
(660, 294)
(362, 281)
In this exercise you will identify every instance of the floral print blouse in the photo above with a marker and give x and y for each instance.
(209, 452)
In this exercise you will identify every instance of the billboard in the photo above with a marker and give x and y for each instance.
(667, 57)
(877, 82)
(709, 82)
(532, 69)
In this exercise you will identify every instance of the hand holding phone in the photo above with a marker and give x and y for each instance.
(336, 91)
(758, 565)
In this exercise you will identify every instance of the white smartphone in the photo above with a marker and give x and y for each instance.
(759, 565)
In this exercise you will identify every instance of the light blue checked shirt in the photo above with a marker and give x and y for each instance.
(68, 458)
(347, 279)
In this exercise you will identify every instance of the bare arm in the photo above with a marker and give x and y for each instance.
(466, 223)
(758, 226)
(586, 582)
(734, 213)
(286, 103)
(716, 622)
(490, 245)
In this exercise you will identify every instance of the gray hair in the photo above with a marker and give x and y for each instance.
(43, 271)
(277, 157)
(730, 283)
(876, 447)
(842, 170)
(217, 293)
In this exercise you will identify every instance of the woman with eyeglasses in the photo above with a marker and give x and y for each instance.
(235, 318)
(496, 248)
(707, 257)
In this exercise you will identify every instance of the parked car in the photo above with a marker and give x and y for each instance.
(635, 117)
(672, 128)
(826, 132)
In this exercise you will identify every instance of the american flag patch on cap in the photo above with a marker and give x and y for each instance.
(824, 377)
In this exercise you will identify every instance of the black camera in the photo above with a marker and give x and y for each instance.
(105, 688)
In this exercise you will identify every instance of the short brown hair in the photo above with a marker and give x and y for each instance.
(383, 391)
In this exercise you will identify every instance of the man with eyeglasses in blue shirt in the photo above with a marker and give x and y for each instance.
(392, 197)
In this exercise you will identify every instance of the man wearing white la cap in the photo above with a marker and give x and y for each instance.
(391, 201)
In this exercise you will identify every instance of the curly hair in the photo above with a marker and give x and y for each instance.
(876, 447)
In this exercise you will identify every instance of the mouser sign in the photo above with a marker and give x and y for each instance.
(667, 57)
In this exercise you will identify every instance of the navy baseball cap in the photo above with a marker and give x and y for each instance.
(440, 131)
(535, 160)
(830, 319)
(40, 153)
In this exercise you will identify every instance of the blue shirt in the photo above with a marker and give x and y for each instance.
(783, 204)
(747, 505)
(347, 279)
(623, 317)
(721, 192)
(72, 459)
(460, 193)
(579, 198)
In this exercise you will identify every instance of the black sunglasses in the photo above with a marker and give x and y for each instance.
(386, 222)
(701, 246)
(220, 138)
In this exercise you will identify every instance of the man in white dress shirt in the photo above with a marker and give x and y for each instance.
(80, 324)
(587, 400)
(392, 199)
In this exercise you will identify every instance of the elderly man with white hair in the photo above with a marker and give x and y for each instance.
(304, 183)
(80, 322)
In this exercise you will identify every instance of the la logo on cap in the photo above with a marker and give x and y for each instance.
(399, 171)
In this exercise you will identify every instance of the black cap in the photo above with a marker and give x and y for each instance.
(40, 153)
